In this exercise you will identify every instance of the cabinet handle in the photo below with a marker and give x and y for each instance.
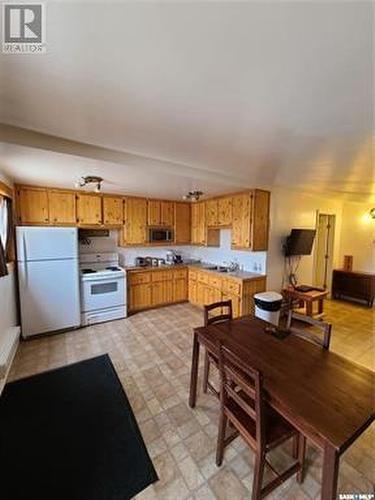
(46, 219)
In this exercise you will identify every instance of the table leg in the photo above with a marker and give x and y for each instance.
(330, 473)
(194, 372)
(309, 308)
(320, 306)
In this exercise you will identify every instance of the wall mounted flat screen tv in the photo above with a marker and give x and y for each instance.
(300, 242)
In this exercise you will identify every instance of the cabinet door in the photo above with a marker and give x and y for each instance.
(180, 290)
(236, 304)
(194, 224)
(241, 216)
(162, 292)
(33, 206)
(139, 296)
(193, 291)
(260, 220)
(153, 212)
(182, 225)
(112, 210)
(225, 211)
(89, 209)
(212, 212)
(167, 213)
(62, 207)
(202, 223)
(135, 221)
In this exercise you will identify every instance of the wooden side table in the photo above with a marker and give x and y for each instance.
(307, 299)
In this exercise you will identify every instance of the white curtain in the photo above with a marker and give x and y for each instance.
(3, 221)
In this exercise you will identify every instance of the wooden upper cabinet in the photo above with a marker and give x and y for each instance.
(260, 220)
(182, 223)
(113, 210)
(202, 235)
(153, 212)
(89, 209)
(160, 213)
(241, 220)
(224, 211)
(135, 228)
(250, 214)
(219, 212)
(32, 205)
(62, 206)
(212, 212)
(167, 213)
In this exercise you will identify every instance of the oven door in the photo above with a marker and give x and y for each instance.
(102, 293)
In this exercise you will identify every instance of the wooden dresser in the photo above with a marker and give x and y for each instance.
(353, 284)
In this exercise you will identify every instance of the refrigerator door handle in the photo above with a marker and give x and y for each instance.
(25, 259)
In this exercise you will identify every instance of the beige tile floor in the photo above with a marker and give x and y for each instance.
(151, 352)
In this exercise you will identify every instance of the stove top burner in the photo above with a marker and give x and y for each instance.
(88, 271)
(113, 268)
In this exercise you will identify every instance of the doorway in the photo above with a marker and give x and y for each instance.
(325, 236)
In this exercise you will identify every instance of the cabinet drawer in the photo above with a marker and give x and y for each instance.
(139, 278)
(161, 276)
(203, 278)
(180, 274)
(215, 282)
(232, 287)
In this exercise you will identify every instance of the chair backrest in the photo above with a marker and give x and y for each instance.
(242, 385)
(323, 326)
(225, 304)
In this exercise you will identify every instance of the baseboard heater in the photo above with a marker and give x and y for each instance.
(9, 340)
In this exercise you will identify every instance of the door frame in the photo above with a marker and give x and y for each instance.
(330, 265)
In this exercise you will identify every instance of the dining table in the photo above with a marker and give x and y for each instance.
(326, 397)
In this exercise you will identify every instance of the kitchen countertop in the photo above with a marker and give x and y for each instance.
(241, 275)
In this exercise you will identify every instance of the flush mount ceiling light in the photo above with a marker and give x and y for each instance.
(193, 195)
(90, 179)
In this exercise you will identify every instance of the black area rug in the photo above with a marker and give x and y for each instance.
(70, 434)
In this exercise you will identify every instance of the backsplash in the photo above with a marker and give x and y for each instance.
(250, 261)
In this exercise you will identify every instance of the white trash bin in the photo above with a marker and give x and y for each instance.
(267, 306)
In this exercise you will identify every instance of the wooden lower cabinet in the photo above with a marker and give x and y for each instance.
(207, 288)
(139, 296)
(156, 287)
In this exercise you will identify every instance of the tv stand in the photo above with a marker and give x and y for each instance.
(353, 284)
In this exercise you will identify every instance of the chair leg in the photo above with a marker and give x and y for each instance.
(206, 372)
(258, 476)
(221, 438)
(301, 456)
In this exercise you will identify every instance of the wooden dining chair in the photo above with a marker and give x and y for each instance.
(226, 313)
(323, 340)
(305, 333)
(243, 405)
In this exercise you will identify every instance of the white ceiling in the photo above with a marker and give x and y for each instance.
(211, 95)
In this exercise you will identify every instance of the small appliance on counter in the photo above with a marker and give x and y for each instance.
(103, 288)
(141, 262)
(173, 258)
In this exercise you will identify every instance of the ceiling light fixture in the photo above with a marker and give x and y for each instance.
(90, 179)
(193, 195)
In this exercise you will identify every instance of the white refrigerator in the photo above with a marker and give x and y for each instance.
(48, 277)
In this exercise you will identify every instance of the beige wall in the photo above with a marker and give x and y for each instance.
(358, 236)
(297, 209)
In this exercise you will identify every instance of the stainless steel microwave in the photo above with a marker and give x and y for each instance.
(160, 235)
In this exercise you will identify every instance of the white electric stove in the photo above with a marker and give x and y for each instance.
(103, 288)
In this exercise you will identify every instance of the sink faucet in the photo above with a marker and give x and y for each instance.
(232, 266)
